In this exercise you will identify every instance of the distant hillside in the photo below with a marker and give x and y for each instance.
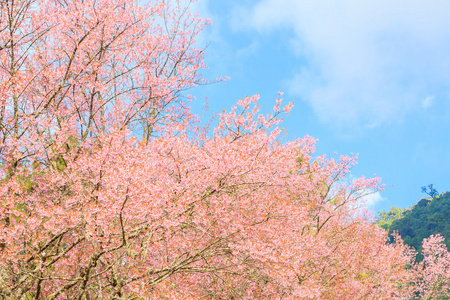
(428, 216)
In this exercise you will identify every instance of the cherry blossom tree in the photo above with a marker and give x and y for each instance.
(434, 271)
(110, 192)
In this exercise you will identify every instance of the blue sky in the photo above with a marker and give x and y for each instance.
(368, 77)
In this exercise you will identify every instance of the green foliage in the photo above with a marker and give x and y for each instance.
(428, 216)
(430, 190)
(385, 219)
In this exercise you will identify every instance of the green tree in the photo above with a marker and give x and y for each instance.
(425, 218)
(385, 219)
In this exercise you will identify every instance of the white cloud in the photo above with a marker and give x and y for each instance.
(370, 200)
(368, 62)
(427, 102)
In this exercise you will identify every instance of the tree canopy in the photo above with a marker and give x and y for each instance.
(111, 189)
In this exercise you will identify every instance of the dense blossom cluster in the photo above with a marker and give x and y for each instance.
(109, 192)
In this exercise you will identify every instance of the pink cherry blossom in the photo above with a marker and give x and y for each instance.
(110, 191)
